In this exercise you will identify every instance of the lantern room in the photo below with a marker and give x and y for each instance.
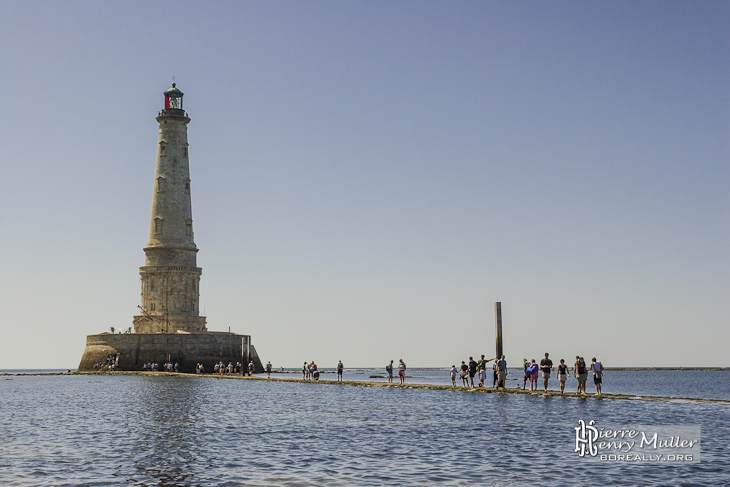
(173, 98)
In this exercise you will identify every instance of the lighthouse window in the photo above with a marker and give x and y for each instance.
(158, 225)
(185, 151)
(160, 184)
(152, 306)
(162, 148)
(189, 227)
(187, 185)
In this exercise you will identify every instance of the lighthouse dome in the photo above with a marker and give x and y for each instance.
(173, 98)
(174, 92)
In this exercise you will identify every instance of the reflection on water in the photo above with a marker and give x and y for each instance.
(192, 431)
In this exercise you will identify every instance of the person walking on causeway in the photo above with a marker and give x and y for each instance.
(546, 365)
(472, 370)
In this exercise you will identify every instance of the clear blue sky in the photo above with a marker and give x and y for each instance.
(370, 177)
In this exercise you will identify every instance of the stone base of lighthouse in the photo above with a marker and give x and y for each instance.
(170, 324)
(187, 349)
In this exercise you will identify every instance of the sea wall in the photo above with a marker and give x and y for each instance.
(187, 350)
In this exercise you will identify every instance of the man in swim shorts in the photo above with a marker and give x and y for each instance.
(501, 372)
(525, 378)
(580, 374)
(563, 374)
(482, 377)
(402, 371)
(472, 370)
(546, 365)
(597, 368)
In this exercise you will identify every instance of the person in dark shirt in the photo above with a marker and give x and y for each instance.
(581, 374)
(546, 365)
(563, 374)
(464, 374)
(501, 372)
(481, 363)
(340, 369)
(525, 377)
(472, 370)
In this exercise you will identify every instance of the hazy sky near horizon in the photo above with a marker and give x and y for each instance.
(368, 178)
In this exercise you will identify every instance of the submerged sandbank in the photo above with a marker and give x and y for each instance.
(364, 383)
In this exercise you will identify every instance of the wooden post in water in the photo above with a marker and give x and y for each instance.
(498, 332)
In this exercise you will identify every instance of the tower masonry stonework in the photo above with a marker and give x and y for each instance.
(170, 277)
(169, 327)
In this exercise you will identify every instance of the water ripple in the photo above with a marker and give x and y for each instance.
(191, 431)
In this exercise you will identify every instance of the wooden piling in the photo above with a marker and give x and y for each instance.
(498, 323)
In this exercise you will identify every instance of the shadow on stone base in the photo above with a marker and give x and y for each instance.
(136, 349)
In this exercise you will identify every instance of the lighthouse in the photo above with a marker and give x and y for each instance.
(170, 278)
(169, 327)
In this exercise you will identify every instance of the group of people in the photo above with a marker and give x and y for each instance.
(532, 370)
(114, 331)
(111, 363)
(170, 367)
(221, 369)
(101, 366)
(310, 371)
(166, 367)
(467, 372)
(580, 371)
(401, 371)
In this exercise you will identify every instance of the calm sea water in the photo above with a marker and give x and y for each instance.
(192, 431)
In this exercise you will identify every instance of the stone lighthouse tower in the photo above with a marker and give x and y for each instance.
(169, 327)
(170, 277)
